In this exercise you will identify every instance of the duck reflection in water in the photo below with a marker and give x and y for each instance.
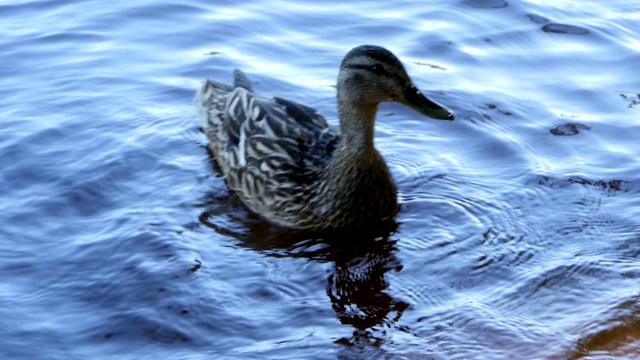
(356, 286)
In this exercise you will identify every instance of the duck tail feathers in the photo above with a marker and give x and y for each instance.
(241, 80)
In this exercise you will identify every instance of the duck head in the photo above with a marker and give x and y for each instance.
(371, 74)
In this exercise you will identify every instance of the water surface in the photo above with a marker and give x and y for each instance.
(518, 237)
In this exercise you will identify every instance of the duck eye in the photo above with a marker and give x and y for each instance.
(377, 69)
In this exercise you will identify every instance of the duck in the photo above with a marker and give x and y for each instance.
(289, 166)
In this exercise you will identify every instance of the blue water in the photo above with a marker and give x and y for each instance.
(519, 234)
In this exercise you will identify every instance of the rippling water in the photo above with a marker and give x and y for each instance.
(519, 234)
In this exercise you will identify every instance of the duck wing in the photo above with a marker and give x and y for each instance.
(281, 139)
(264, 146)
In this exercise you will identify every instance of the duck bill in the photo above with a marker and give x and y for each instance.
(414, 99)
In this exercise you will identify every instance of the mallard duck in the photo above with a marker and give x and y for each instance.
(288, 165)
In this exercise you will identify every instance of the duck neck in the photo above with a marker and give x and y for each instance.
(356, 126)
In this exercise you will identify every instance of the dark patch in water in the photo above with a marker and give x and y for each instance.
(165, 335)
(538, 19)
(197, 266)
(631, 97)
(564, 29)
(494, 107)
(569, 129)
(487, 4)
(617, 336)
(608, 185)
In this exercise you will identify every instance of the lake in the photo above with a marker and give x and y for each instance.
(519, 230)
